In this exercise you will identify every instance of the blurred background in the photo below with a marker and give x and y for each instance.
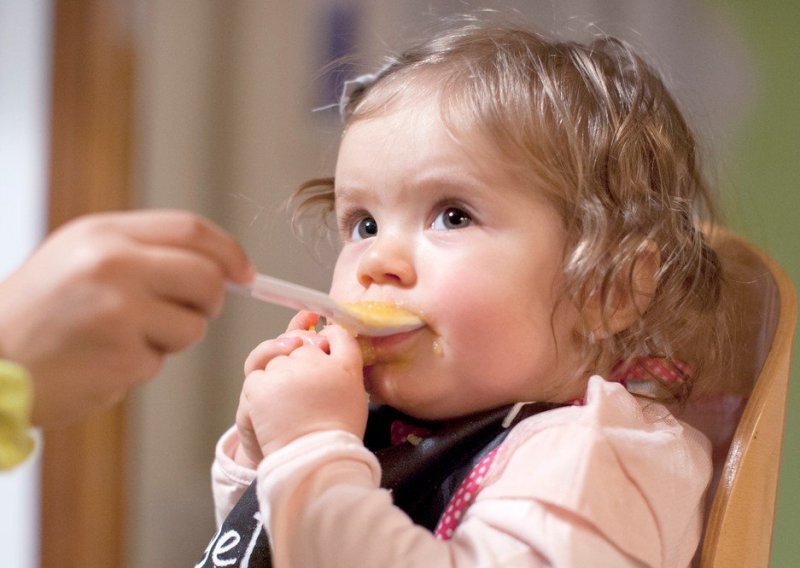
(210, 107)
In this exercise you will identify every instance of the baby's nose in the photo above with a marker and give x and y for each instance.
(387, 261)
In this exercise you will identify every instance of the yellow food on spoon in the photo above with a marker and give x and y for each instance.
(378, 314)
(381, 314)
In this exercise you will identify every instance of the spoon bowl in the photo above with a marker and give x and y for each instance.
(374, 319)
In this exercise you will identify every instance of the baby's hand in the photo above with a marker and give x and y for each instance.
(248, 453)
(298, 383)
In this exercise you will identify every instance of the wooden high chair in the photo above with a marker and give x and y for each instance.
(739, 527)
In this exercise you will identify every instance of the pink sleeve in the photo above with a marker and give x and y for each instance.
(321, 505)
(228, 479)
(612, 483)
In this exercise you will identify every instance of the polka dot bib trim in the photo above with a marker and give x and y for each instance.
(463, 497)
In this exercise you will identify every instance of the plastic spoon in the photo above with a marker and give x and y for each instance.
(365, 318)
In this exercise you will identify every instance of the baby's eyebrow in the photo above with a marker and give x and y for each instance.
(437, 184)
(348, 192)
(345, 196)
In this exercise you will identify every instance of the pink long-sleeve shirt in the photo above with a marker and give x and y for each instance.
(616, 482)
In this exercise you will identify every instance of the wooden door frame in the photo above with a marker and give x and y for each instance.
(83, 500)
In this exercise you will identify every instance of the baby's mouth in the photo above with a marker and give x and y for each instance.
(381, 315)
(384, 316)
(397, 348)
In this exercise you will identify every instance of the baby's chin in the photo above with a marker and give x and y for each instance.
(411, 409)
(382, 392)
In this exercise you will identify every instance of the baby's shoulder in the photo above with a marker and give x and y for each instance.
(612, 414)
(611, 433)
(614, 462)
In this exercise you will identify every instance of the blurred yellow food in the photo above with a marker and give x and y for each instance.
(381, 314)
(367, 350)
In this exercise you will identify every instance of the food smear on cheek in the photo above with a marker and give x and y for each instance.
(437, 348)
(367, 350)
(370, 356)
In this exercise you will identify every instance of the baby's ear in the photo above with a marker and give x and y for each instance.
(627, 296)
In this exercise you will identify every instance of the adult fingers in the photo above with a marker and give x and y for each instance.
(182, 229)
(266, 351)
(185, 277)
(169, 327)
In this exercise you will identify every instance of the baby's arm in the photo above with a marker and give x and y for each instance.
(229, 479)
(598, 485)
(322, 507)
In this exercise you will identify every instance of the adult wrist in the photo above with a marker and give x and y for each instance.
(16, 401)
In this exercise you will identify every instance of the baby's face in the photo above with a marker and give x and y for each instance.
(437, 227)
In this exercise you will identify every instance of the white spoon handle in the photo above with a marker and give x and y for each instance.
(295, 296)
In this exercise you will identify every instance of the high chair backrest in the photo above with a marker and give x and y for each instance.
(739, 527)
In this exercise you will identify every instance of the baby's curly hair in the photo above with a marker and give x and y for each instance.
(593, 128)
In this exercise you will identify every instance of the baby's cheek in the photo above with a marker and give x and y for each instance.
(498, 338)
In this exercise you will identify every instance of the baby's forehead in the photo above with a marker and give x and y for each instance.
(425, 93)
(498, 138)
(402, 90)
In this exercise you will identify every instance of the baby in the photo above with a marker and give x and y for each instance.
(538, 204)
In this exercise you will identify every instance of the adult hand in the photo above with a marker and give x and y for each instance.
(98, 306)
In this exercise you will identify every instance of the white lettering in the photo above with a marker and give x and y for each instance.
(253, 539)
(207, 550)
(227, 541)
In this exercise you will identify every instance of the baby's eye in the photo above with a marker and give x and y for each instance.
(451, 218)
(365, 228)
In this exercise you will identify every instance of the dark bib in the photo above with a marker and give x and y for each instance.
(422, 478)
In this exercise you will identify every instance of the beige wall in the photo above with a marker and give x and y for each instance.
(226, 130)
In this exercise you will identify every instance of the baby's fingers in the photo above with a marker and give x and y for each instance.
(342, 343)
(303, 320)
(268, 350)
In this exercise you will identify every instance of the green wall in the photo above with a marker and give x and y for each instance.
(760, 182)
